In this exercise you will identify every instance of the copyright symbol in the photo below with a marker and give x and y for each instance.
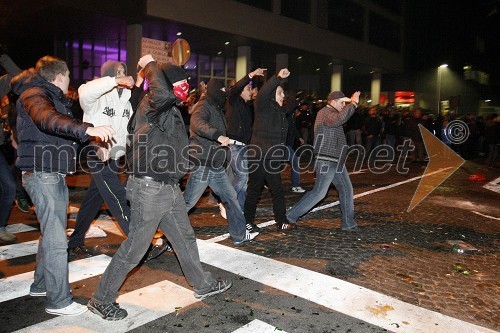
(457, 132)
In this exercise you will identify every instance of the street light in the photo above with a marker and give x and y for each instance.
(439, 88)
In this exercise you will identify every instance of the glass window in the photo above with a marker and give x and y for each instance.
(204, 67)
(219, 67)
(231, 67)
(384, 33)
(298, 10)
(346, 18)
(262, 4)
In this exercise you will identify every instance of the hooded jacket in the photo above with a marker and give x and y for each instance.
(103, 105)
(159, 142)
(207, 124)
(47, 131)
(270, 124)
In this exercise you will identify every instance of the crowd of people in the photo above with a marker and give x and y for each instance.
(234, 140)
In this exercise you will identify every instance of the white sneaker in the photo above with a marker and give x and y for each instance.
(298, 189)
(74, 309)
(248, 237)
(222, 210)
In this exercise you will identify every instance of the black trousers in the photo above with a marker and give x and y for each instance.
(268, 171)
(104, 187)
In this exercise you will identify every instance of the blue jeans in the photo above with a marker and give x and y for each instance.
(326, 174)
(105, 186)
(154, 204)
(49, 194)
(202, 177)
(239, 168)
(294, 163)
(7, 190)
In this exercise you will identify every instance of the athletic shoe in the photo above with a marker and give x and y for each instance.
(23, 205)
(248, 237)
(6, 236)
(286, 226)
(222, 210)
(108, 311)
(156, 250)
(252, 227)
(74, 309)
(79, 251)
(298, 189)
(219, 287)
(38, 293)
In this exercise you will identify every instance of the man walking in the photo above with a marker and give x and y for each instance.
(156, 165)
(330, 148)
(48, 135)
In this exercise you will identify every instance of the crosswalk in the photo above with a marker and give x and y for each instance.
(162, 298)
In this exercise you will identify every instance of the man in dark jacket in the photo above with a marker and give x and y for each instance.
(330, 148)
(156, 165)
(239, 120)
(48, 135)
(268, 150)
(207, 149)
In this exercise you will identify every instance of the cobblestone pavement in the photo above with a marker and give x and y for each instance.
(402, 254)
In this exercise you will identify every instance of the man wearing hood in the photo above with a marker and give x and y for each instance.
(157, 164)
(48, 136)
(268, 150)
(208, 151)
(105, 101)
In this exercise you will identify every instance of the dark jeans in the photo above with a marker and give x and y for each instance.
(265, 171)
(49, 193)
(154, 204)
(105, 186)
(7, 190)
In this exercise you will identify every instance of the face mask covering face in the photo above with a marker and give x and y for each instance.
(181, 91)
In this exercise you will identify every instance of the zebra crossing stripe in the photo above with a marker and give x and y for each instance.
(143, 306)
(19, 227)
(18, 250)
(258, 326)
(19, 285)
(338, 295)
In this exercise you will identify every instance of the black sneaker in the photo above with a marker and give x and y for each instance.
(108, 311)
(286, 226)
(23, 205)
(252, 227)
(79, 252)
(219, 287)
(156, 250)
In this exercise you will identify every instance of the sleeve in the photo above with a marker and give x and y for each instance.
(41, 110)
(336, 119)
(160, 96)
(236, 91)
(90, 92)
(200, 123)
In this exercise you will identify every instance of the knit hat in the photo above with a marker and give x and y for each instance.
(173, 72)
(110, 68)
(338, 95)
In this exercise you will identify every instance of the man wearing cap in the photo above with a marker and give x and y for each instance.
(330, 148)
(156, 166)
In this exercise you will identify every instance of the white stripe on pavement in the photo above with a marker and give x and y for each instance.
(19, 285)
(335, 294)
(258, 326)
(493, 185)
(143, 305)
(18, 250)
(19, 227)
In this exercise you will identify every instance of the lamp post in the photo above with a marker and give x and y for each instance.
(438, 89)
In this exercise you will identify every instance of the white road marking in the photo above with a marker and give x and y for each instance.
(493, 185)
(19, 227)
(487, 216)
(19, 285)
(335, 294)
(143, 305)
(18, 250)
(258, 326)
